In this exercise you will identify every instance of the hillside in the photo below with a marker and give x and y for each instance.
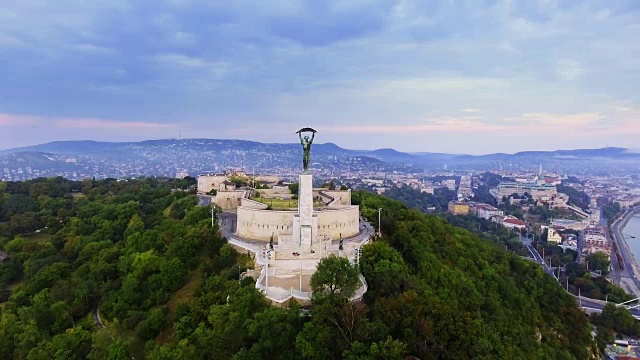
(166, 287)
(87, 159)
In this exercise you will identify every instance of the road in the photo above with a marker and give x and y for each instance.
(585, 303)
(204, 200)
(538, 258)
(96, 318)
(629, 264)
(598, 305)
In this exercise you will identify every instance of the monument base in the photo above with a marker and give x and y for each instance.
(305, 223)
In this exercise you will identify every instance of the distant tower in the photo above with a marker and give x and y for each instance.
(445, 166)
(540, 170)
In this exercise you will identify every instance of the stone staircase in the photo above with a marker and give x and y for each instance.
(288, 251)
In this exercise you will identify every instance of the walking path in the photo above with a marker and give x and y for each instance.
(289, 277)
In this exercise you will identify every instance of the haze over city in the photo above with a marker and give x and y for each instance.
(460, 77)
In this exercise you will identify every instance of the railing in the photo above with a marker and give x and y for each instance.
(328, 198)
(279, 296)
(302, 295)
(260, 278)
(362, 290)
(284, 295)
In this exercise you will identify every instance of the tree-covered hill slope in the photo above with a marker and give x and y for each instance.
(446, 290)
(133, 269)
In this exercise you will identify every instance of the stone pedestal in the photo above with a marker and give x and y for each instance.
(305, 223)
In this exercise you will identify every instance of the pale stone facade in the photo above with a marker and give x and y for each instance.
(229, 200)
(261, 224)
(342, 197)
(336, 222)
(256, 222)
(206, 183)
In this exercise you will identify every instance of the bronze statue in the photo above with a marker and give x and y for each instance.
(306, 146)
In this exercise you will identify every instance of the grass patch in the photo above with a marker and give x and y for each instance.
(39, 237)
(15, 285)
(276, 203)
(185, 293)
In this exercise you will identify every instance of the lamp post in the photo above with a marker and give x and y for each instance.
(379, 223)
(579, 298)
(268, 255)
(297, 255)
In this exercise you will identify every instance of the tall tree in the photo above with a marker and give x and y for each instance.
(335, 275)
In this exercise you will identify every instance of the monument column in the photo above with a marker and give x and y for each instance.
(305, 223)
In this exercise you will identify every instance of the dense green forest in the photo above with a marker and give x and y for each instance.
(576, 197)
(147, 260)
(422, 201)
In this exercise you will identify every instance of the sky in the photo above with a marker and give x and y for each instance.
(475, 76)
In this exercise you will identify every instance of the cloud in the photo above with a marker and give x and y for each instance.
(94, 49)
(18, 120)
(569, 69)
(381, 67)
(79, 123)
(449, 125)
(546, 119)
(182, 39)
(109, 124)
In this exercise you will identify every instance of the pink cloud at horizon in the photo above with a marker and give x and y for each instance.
(79, 123)
(18, 120)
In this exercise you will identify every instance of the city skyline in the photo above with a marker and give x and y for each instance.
(474, 78)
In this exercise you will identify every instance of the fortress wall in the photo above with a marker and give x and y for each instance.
(206, 183)
(343, 196)
(333, 222)
(261, 224)
(322, 196)
(229, 200)
(274, 192)
(252, 204)
(268, 178)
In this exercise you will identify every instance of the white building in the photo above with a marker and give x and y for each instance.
(209, 182)
(595, 240)
(427, 189)
(570, 224)
(510, 222)
(449, 184)
(486, 211)
(537, 192)
(182, 174)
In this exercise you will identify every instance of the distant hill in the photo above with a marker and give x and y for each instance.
(78, 159)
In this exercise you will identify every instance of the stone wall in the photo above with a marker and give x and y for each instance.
(252, 204)
(257, 224)
(333, 222)
(343, 197)
(229, 200)
(275, 192)
(206, 183)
